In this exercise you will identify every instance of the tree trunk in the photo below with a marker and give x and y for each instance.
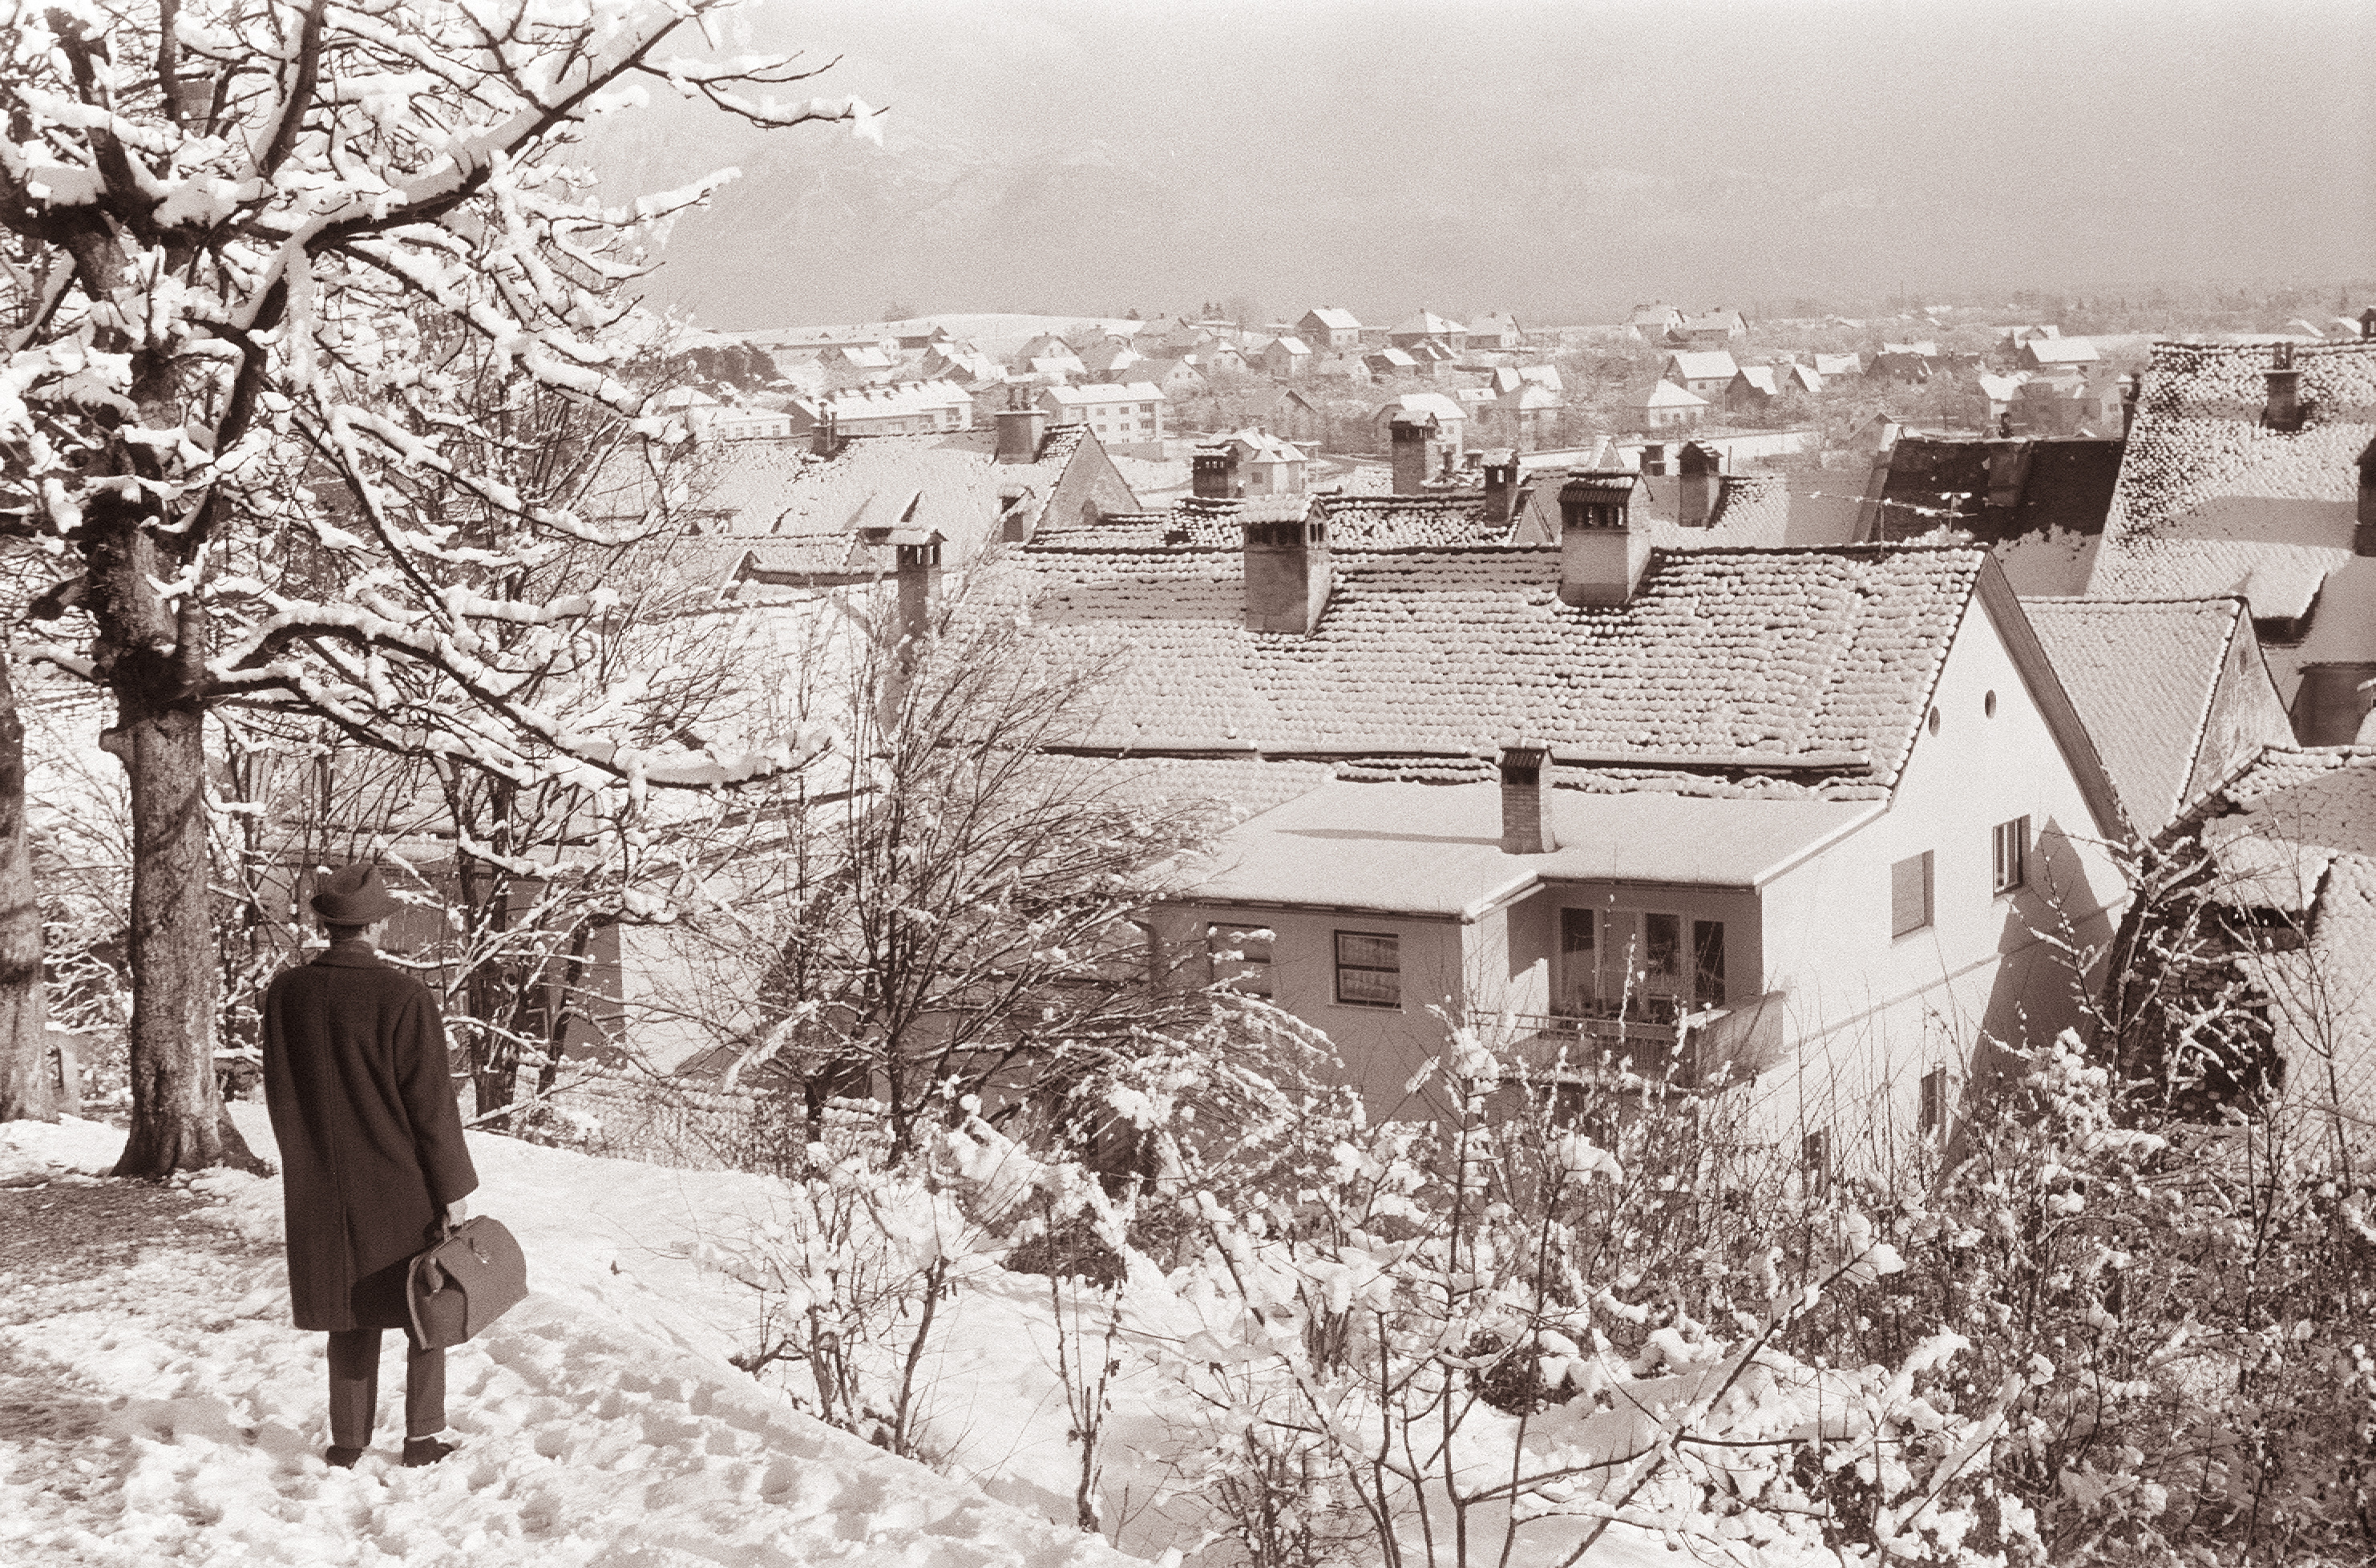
(178, 1120)
(27, 1089)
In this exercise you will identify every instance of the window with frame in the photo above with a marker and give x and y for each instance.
(1909, 894)
(1815, 1160)
(2008, 855)
(1937, 1089)
(1239, 958)
(1369, 969)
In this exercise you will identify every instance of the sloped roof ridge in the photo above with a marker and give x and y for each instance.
(2080, 598)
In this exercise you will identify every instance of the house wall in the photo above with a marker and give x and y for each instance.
(1091, 488)
(1870, 1012)
(1379, 1049)
(2246, 714)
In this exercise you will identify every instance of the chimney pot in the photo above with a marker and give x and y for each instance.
(1525, 810)
(1021, 427)
(1697, 491)
(2283, 411)
(1216, 472)
(1601, 556)
(1287, 575)
(1500, 487)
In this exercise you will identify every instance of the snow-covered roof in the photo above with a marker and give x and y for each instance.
(1760, 378)
(1667, 394)
(1428, 323)
(1107, 392)
(1838, 364)
(1544, 375)
(1334, 318)
(1444, 408)
(893, 399)
(1291, 345)
(1653, 315)
(2061, 350)
(1781, 656)
(1701, 364)
(1398, 358)
(2143, 675)
(1433, 850)
(2212, 501)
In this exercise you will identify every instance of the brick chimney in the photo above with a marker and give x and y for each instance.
(2367, 325)
(1216, 471)
(2363, 536)
(1500, 487)
(1600, 555)
(1021, 426)
(1526, 804)
(2283, 411)
(825, 440)
(1696, 490)
(1287, 575)
(1416, 440)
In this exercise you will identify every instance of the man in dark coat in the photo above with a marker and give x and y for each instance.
(371, 1155)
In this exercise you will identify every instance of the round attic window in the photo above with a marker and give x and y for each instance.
(1988, 705)
(1933, 725)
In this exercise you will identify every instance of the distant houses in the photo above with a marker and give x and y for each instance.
(1668, 407)
(1427, 324)
(1326, 327)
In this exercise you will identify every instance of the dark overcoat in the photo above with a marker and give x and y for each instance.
(371, 1143)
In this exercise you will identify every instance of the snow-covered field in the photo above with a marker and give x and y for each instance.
(169, 1412)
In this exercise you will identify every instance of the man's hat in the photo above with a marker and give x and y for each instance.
(354, 895)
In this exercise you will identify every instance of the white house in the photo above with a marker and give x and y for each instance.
(1328, 327)
(1122, 414)
(1785, 822)
(1667, 406)
(1703, 373)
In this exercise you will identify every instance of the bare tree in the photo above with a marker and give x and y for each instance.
(222, 220)
(26, 1086)
(961, 912)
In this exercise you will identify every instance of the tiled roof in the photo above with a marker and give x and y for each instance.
(949, 482)
(1722, 654)
(2211, 501)
(1355, 522)
(2142, 674)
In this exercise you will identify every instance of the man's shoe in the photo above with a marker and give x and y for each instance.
(342, 1458)
(419, 1451)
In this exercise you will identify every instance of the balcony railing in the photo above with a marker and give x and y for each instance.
(1714, 1044)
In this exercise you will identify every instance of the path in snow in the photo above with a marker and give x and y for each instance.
(155, 1404)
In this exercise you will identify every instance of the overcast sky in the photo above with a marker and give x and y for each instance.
(1555, 158)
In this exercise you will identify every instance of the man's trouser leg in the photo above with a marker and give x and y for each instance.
(354, 1388)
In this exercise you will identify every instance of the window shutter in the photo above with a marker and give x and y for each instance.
(1909, 894)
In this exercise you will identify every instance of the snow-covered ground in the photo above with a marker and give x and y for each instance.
(181, 1417)
(169, 1412)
